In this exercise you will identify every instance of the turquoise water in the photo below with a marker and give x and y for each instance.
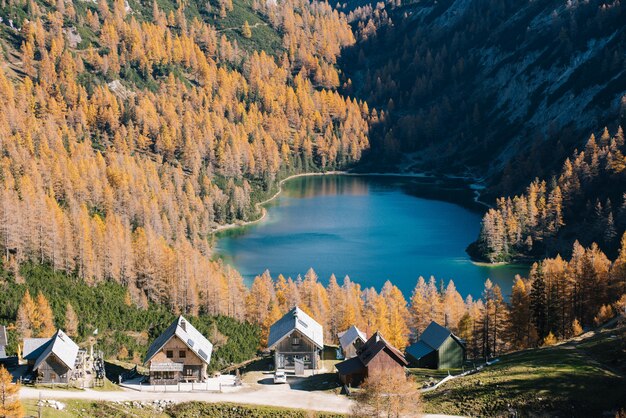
(370, 228)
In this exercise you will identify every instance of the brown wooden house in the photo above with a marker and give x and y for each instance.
(297, 339)
(180, 354)
(376, 355)
(51, 359)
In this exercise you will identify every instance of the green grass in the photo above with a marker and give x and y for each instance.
(79, 408)
(565, 380)
(422, 376)
(230, 410)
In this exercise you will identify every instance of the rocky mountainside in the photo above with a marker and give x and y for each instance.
(496, 89)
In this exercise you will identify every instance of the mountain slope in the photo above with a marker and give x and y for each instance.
(129, 131)
(489, 87)
(582, 377)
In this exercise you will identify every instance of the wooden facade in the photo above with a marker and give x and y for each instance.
(293, 346)
(174, 363)
(52, 370)
(381, 363)
(375, 356)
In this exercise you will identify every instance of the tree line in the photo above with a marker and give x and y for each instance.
(585, 201)
(558, 300)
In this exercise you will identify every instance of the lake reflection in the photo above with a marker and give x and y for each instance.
(370, 228)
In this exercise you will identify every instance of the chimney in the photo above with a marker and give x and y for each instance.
(183, 323)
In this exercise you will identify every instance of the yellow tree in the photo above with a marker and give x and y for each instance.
(397, 316)
(10, 405)
(27, 319)
(246, 31)
(46, 318)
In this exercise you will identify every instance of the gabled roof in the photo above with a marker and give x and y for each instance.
(369, 351)
(296, 319)
(33, 347)
(61, 345)
(350, 335)
(434, 335)
(188, 334)
(419, 350)
(3, 336)
(431, 340)
(376, 344)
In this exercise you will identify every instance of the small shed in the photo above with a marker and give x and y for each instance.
(351, 340)
(437, 348)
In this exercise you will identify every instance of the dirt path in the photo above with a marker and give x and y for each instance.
(274, 395)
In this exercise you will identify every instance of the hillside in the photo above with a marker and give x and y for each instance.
(582, 377)
(498, 90)
(130, 131)
(125, 331)
(583, 202)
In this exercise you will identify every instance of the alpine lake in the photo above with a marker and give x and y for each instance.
(370, 228)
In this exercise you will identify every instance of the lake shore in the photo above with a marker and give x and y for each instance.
(259, 206)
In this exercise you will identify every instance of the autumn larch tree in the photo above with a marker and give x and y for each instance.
(10, 405)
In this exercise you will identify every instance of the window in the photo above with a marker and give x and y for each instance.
(189, 372)
(53, 377)
(295, 341)
(182, 354)
(169, 353)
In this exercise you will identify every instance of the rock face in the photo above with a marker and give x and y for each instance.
(477, 83)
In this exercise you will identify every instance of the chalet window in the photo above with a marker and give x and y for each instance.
(157, 375)
(189, 372)
(182, 354)
(295, 341)
(169, 353)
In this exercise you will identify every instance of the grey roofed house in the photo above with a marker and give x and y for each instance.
(188, 334)
(297, 341)
(38, 349)
(348, 336)
(437, 348)
(351, 340)
(52, 357)
(296, 319)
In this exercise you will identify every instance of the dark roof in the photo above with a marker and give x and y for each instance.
(188, 334)
(3, 336)
(374, 345)
(367, 352)
(296, 319)
(349, 336)
(350, 366)
(431, 340)
(419, 350)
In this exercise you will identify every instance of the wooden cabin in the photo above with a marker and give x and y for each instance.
(350, 341)
(437, 348)
(297, 341)
(179, 354)
(51, 359)
(375, 356)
